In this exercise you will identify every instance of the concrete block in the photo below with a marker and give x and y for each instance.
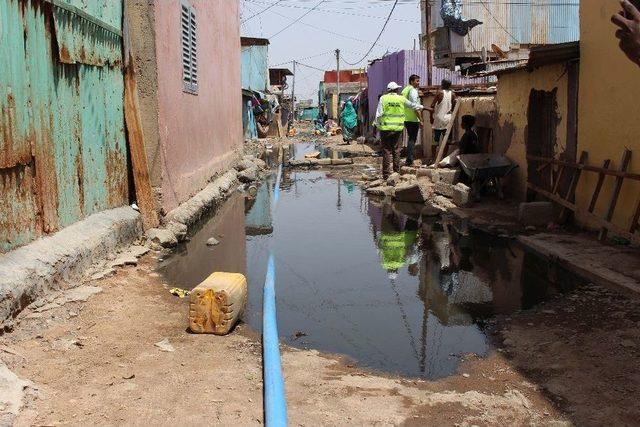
(430, 173)
(394, 179)
(444, 189)
(249, 175)
(413, 192)
(408, 170)
(180, 230)
(162, 237)
(383, 191)
(29, 272)
(462, 195)
(448, 176)
(216, 192)
(535, 213)
(299, 163)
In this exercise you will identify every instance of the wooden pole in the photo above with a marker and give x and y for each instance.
(624, 164)
(135, 138)
(445, 138)
(429, 43)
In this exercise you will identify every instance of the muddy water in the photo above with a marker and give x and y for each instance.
(377, 282)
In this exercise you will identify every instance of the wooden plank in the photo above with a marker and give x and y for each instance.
(636, 218)
(135, 139)
(624, 164)
(543, 167)
(608, 172)
(559, 178)
(571, 191)
(596, 219)
(443, 142)
(596, 192)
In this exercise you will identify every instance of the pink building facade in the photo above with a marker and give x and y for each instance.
(190, 91)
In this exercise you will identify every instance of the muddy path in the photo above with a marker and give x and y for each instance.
(451, 327)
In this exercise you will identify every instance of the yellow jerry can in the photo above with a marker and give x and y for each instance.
(217, 303)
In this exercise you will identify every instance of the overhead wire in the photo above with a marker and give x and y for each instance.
(377, 38)
(339, 12)
(298, 19)
(305, 58)
(262, 11)
(332, 32)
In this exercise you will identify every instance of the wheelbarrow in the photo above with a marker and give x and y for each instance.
(486, 171)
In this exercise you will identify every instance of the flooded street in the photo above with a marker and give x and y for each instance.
(391, 289)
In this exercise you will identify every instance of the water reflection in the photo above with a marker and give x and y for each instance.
(389, 285)
(195, 261)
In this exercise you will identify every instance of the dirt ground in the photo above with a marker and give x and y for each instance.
(573, 361)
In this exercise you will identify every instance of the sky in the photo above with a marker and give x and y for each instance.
(348, 25)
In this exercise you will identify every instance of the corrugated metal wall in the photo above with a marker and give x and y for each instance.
(523, 22)
(399, 66)
(63, 151)
(255, 68)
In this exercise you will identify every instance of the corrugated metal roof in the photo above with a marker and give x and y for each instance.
(538, 57)
(506, 23)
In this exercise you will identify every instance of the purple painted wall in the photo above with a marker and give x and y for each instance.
(399, 66)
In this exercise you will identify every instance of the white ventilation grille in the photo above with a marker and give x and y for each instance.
(189, 48)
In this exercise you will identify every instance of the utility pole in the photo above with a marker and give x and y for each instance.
(293, 99)
(427, 9)
(338, 72)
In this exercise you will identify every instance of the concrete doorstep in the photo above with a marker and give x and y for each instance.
(31, 271)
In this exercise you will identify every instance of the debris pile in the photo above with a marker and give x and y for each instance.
(438, 188)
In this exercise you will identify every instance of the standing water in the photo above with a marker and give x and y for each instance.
(371, 280)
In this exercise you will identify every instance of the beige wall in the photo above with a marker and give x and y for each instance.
(506, 115)
(608, 109)
(513, 104)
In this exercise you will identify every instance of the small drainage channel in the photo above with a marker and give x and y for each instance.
(374, 281)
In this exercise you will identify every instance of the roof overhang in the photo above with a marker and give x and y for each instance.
(253, 41)
(539, 56)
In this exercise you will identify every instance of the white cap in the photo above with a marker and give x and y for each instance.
(393, 86)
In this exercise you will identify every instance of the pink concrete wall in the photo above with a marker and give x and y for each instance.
(199, 134)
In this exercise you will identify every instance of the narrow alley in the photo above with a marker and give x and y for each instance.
(204, 223)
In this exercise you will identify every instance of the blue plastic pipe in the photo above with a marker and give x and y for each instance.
(275, 405)
(276, 191)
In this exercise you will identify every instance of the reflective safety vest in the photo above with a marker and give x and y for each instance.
(394, 247)
(392, 118)
(410, 114)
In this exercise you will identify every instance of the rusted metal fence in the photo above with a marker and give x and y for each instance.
(63, 150)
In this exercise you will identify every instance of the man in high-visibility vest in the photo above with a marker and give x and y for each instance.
(412, 119)
(390, 117)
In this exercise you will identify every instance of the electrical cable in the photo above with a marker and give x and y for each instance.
(338, 12)
(302, 59)
(262, 11)
(333, 32)
(377, 39)
(298, 19)
(310, 66)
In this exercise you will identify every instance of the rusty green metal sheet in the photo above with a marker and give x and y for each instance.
(81, 40)
(62, 143)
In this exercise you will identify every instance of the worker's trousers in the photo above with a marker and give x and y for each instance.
(391, 152)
